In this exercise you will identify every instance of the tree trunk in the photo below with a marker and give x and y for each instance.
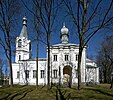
(48, 63)
(79, 67)
(105, 77)
(111, 82)
(36, 63)
(11, 74)
(59, 76)
(36, 26)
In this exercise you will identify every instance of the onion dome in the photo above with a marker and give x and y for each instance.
(64, 30)
(64, 34)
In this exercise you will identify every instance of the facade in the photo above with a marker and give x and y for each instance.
(63, 62)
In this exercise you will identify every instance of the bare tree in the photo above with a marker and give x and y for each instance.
(89, 17)
(46, 14)
(105, 59)
(8, 11)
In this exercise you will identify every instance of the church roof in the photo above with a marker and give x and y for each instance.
(89, 60)
(68, 44)
(90, 63)
(39, 59)
(24, 28)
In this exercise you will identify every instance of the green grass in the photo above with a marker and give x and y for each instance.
(97, 92)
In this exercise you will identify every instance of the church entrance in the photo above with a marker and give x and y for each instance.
(67, 73)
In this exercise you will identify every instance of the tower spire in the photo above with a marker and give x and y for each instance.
(24, 28)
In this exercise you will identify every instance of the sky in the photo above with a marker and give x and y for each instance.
(93, 44)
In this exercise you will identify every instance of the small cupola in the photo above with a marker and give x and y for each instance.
(25, 21)
(64, 34)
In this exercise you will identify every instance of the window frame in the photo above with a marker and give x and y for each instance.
(27, 74)
(19, 58)
(66, 57)
(55, 73)
(34, 73)
(18, 74)
(54, 57)
(76, 57)
(42, 74)
(19, 43)
(76, 73)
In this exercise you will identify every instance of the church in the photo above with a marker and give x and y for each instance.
(63, 62)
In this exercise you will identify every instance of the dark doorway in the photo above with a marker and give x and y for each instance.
(67, 76)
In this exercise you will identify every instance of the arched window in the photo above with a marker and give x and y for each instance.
(66, 57)
(55, 73)
(19, 43)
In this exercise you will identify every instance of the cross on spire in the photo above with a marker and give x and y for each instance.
(64, 24)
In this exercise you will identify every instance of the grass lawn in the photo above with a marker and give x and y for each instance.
(98, 92)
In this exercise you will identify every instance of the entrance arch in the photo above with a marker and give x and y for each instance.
(67, 73)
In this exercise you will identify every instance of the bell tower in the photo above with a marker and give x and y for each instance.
(23, 45)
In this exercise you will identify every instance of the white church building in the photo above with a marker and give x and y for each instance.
(63, 62)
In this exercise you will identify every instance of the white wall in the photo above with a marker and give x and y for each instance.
(92, 72)
(28, 65)
(72, 51)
